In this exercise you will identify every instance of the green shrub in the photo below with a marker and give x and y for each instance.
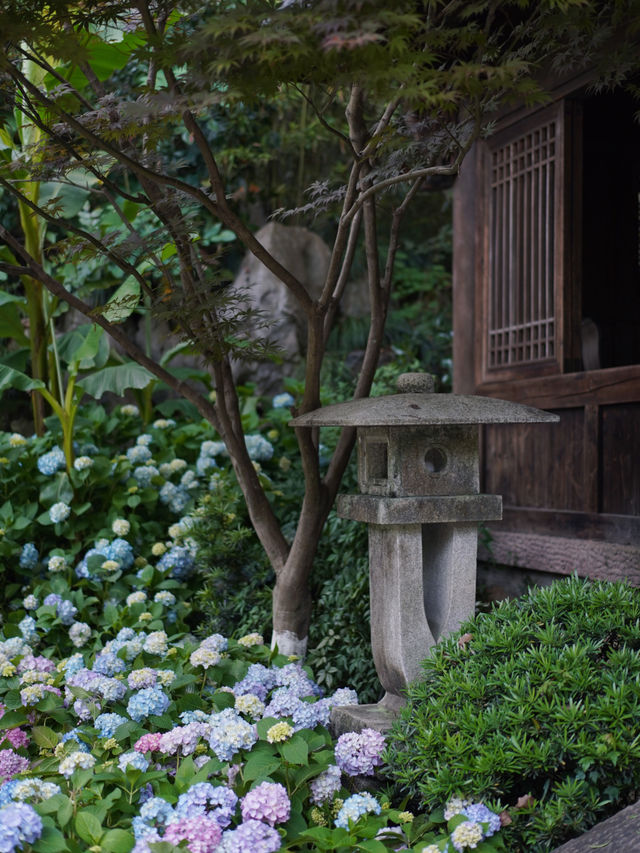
(533, 707)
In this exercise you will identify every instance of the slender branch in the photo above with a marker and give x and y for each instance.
(35, 270)
(327, 125)
(124, 265)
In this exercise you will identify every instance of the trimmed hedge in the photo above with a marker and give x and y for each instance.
(533, 707)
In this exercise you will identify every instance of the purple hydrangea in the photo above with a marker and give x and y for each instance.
(11, 764)
(108, 663)
(19, 824)
(359, 753)
(268, 802)
(203, 798)
(326, 785)
(253, 835)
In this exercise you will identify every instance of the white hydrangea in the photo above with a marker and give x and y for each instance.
(121, 527)
(79, 633)
(82, 760)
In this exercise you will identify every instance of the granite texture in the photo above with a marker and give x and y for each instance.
(618, 834)
(421, 509)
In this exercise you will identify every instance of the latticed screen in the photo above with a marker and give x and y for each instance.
(521, 309)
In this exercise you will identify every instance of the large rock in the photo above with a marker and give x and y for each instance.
(307, 256)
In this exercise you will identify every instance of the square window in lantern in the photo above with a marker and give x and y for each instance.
(377, 460)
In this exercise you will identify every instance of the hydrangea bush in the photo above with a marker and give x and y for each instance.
(121, 730)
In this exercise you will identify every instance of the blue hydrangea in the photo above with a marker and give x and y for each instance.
(260, 450)
(230, 733)
(356, 806)
(155, 813)
(138, 454)
(74, 736)
(108, 663)
(282, 401)
(52, 600)
(28, 629)
(121, 551)
(177, 562)
(111, 689)
(204, 464)
(479, 813)
(51, 462)
(213, 448)
(6, 791)
(144, 474)
(146, 702)
(67, 612)
(29, 556)
(107, 724)
(133, 759)
(19, 824)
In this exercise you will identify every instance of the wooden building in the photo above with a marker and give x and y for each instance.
(547, 312)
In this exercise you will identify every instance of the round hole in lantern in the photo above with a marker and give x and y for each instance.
(435, 460)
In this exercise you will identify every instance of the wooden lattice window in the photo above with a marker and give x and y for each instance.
(524, 240)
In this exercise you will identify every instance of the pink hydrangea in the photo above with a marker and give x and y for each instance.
(148, 743)
(268, 802)
(182, 738)
(202, 833)
(11, 764)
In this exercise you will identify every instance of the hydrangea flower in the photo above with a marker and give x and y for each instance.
(467, 834)
(149, 742)
(359, 753)
(11, 764)
(201, 832)
(19, 824)
(249, 704)
(146, 702)
(326, 785)
(178, 562)
(51, 462)
(253, 639)
(479, 813)
(253, 835)
(354, 807)
(454, 806)
(34, 789)
(144, 475)
(27, 628)
(268, 802)
(138, 679)
(108, 663)
(79, 633)
(259, 449)
(282, 401)
(121, 527)
(132, 759)
(203, 798)
(129, 410)
(156, 643)
(138, 454)
(205, 658)
(29, 556)
(81, 463)
(30, 602)
(107, 724)
(165, 597)
(137, 597)
(67, 612)
(17, 440)
(82, 760)
(59, 512)
(56, 564)
(230, 733)
(182, 739)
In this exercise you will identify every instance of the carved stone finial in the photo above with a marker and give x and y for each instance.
(416, 383)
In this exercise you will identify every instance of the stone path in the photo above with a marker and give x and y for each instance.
(618, 834)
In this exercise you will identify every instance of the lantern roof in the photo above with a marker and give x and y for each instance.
(414, 409)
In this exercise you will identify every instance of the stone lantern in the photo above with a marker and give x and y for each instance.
(418, 474)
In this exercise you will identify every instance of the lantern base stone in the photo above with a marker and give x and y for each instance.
(354, 718)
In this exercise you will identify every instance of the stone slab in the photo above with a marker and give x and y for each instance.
(421, 410)
(618, 834)
(421, 509)
(355, 718)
